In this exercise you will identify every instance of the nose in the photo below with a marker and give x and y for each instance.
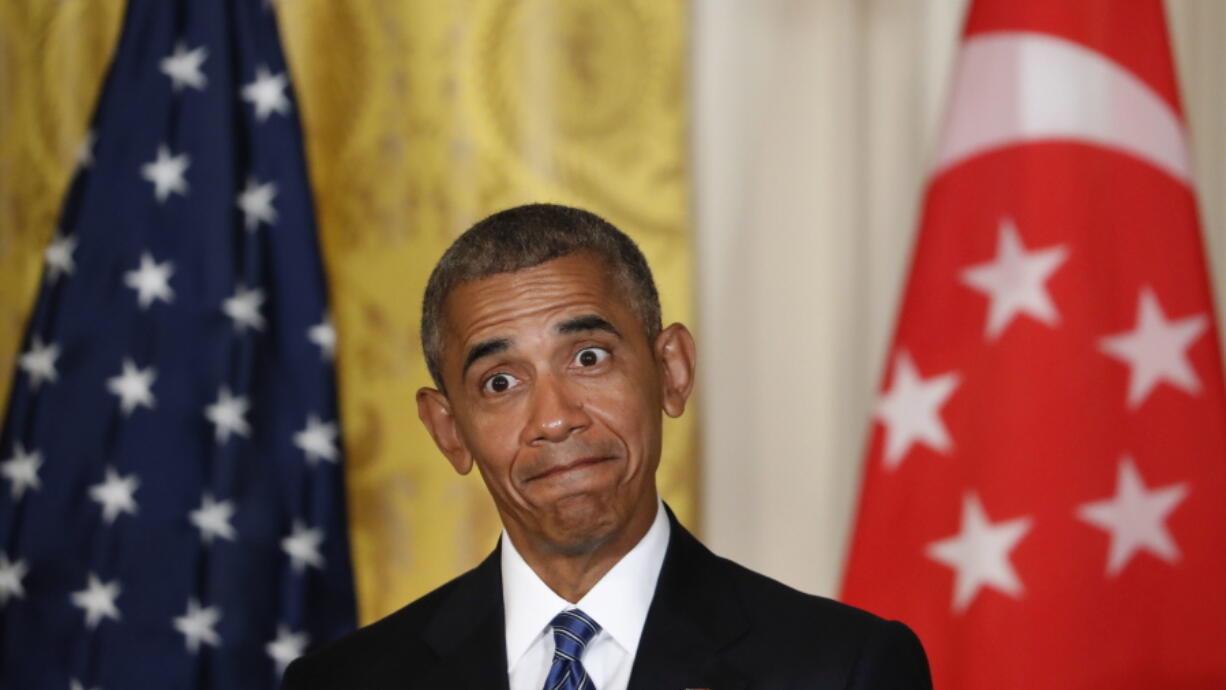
(556, 412)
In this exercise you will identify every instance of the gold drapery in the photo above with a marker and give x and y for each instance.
(420, 118)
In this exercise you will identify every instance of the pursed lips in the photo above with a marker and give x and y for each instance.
(567, 467)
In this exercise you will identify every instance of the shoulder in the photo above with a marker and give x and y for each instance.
(833, 640)
(373, 652)
(807, 640)
(766, 599)
(762, 600)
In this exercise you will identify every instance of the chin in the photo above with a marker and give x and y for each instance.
(581, 525)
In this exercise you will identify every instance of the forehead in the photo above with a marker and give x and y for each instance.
(533, 297)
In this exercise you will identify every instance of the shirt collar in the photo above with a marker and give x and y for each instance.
(618, 602)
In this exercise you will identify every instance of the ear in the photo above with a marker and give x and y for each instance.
(434, 410)
(677, 357)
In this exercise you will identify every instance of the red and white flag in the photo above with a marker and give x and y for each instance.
(1044, 498)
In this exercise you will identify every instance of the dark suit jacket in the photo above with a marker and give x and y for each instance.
(712, 624)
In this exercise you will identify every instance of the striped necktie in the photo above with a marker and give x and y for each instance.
(572, 630)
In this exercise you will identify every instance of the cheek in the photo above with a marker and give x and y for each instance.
(625, 410)
(493, 440)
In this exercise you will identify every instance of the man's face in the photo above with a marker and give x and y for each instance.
(556, 394)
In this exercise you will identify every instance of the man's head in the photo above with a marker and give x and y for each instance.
(527, 236)
(542, 328)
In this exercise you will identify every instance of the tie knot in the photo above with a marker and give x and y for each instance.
(572, 630)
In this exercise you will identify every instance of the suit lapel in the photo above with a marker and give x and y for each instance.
(695, 613)
(468, 634)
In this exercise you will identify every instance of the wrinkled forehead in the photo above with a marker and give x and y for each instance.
(536, 296)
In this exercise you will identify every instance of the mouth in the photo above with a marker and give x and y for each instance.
(578, 463)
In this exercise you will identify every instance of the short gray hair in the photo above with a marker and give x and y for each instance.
(527, 236)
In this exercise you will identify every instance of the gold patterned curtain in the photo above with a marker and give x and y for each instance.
(420, 118)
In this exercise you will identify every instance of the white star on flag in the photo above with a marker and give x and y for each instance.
(85, 150)
(114, 494)
(133, 386)
(910, 410)
(1135, 517)
(1014, 280)
(151, 281)
(39, 362)
(323, 334)
(212, 518)
(979, 553)
(198, 625)
(317, 440)
(22, 470)
(166, 173)
(227, 415)
(287, 647)
(267, 93)
(97, 600)
(1156, 350)
(58, 256)
(244, 308)
(183, 67)
(75, 684)
(11, 575)
(256, 204)
(302, 547)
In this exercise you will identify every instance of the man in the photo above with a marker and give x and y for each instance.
(541, 328)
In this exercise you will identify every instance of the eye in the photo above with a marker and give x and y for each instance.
(591, 356)
(499, 383)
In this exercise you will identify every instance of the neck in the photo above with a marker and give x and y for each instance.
(572, 574)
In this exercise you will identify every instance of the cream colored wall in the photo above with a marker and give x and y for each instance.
(813, 124)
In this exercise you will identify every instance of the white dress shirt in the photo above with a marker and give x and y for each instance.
(618, 602)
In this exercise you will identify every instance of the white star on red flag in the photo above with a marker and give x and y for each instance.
(979, 553)
(1156, 350)
(1136, 518)
(1015, 281)
(911, 410)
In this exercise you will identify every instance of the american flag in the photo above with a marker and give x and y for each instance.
(172, 511)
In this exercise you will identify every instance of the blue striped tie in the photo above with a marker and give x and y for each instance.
(572, 630)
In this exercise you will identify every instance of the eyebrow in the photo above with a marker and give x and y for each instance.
(485, 348)
(588, 322)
